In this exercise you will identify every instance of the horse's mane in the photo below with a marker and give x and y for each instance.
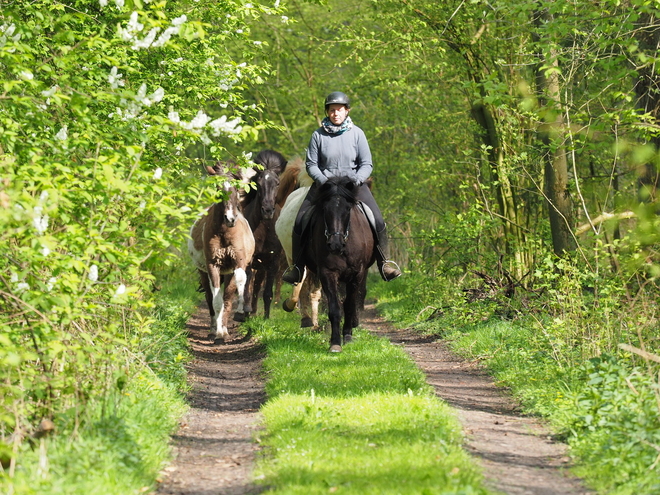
(293, 177)
(271, 160)
(337, 186)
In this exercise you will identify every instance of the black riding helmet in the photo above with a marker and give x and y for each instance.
(337, 98)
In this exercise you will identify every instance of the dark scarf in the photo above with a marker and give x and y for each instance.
(330, 128)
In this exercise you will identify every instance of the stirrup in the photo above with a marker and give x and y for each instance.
(393, 265)
(292, 275)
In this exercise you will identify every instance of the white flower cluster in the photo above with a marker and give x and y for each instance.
(131, 108)
(130, 32)
(7, 32)
(200, 121)
(115, 79)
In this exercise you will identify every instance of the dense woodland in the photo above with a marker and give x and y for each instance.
(516, 161)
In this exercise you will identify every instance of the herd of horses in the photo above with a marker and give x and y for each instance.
(242, 243)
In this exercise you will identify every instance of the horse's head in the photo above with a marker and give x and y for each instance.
(335, 199)
(230, 203)
(267, 183)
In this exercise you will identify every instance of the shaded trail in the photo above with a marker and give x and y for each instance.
(215, 451)
(214, 448)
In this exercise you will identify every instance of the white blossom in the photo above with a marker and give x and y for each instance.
(227, 126)
(120, 290)
(103, 3)
(146, 41)
(142, 205)
(119, 4)
(174, 117)
(63, 133)
(22, 287)
(93, 274)
(40, 222)
(200, 120)
(115, 78)
(158, 173)
(285, 19)
(45, 251)
(158, 95)
(49, 92)
(179, 20)
(27, 75)
(277, 4)
(51, 283)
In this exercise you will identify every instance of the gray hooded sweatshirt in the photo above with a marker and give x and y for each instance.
(339, 155)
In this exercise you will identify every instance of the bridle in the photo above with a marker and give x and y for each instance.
(328, 235)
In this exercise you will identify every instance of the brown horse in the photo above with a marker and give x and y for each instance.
(221, 245)
(340, 250)
(259, 209)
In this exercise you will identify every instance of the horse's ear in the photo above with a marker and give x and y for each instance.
(210, 170)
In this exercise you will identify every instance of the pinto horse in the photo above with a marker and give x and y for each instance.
(259, 209)
(294, 185)
(340, 250)
(221, 245)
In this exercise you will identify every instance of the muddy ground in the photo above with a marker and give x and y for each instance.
(215, 449)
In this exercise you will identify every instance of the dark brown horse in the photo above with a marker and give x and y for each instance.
(340, 250)
(259, 209)
(221, 245)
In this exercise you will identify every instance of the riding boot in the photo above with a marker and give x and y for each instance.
(389, 270)
(293, 275)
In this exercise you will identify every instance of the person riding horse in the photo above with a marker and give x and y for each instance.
(339, 148)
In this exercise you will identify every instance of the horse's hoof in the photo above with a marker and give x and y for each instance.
(288, 306)
(240, 317)
(348, 339)
(306, 322)
(217, 339)
(335, 348)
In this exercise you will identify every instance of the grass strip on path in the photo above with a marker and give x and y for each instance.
(359, 422)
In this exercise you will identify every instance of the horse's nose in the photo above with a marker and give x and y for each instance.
(336, 245)
(230, 221)
(268, 212)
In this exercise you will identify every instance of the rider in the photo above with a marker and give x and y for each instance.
(339, 148)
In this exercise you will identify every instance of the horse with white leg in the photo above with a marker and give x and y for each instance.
(221, 245)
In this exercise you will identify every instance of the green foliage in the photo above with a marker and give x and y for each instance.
(106, 108)
(363, 421)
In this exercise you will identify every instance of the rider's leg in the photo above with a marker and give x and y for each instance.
(388, 269)
(293, 275)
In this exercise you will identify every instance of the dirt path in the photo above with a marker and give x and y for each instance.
(215, 452)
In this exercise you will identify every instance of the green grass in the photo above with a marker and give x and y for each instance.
(359, 422)
(607, 409)
(117, 445)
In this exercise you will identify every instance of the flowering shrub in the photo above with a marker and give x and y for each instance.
(101, 103)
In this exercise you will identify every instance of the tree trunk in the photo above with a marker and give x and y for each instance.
(552, 133)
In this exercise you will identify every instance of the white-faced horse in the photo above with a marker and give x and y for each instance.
(221, 245)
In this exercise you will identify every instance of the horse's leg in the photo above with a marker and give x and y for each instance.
(245, 294)
(228, 300)
(331, 289)
(256, 289)
(351, 304)
(271, 272)
(208, 294)
(291, 303)
(315, 295)
(215, 282)
(240, 280)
